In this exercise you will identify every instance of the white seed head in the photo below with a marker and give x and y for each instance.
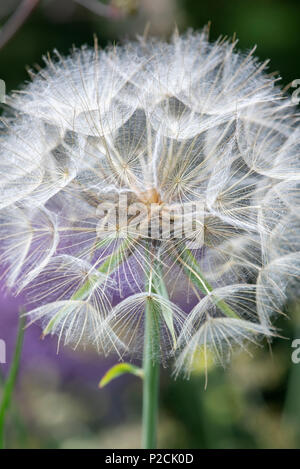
(154, 175)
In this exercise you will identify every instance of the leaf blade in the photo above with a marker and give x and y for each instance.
(119, 370)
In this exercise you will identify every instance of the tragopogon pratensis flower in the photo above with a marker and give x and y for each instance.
(152, 176)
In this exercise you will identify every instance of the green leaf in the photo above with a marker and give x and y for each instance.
(118, 370)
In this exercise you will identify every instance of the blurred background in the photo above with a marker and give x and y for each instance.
(255, 402)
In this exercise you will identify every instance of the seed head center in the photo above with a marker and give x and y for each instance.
(151, 196)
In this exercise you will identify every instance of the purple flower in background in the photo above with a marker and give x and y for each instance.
(38, 353)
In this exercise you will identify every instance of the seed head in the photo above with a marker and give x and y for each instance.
(152, 178)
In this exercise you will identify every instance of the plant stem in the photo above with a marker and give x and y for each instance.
(16, 20)
(10, 382)
(151, 383)
(191, 267)
(107, 267)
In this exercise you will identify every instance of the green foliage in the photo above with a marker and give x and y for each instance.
(119, 370)
(11, 379)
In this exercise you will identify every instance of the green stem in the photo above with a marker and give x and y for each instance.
(191, 267)
(185, 257)
(107, 267)
(10, 382)
(150, 383)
